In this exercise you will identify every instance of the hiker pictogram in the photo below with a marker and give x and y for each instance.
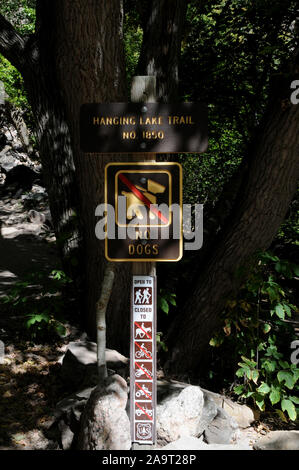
(142, 295)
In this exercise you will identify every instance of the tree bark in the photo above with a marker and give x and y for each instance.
(261, 206)
(160, 52)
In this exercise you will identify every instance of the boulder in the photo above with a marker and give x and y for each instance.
(222, 430)
(186, 443)
(209, 412)
(79, 364)
(243, 415)
(8, 160)
(104, 423)
(191, 443)
(180, 415)
(278, 440)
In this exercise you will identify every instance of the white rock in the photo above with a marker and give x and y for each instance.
(104, 422)
(191, 443)
(278, 440)
(180, 415)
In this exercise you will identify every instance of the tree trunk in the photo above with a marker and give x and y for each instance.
(91, 68)
(160, 52)
(263, 201)
(76, 56)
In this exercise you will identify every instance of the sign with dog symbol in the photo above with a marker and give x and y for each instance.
(146, 201)
(143, 359)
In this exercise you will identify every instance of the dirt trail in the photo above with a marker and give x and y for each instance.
(24, 246)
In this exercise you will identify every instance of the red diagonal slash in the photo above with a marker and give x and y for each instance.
(143, 371)
(144, 411)
(143, 391)
(147, 355)
(147, 334)
(142, 198)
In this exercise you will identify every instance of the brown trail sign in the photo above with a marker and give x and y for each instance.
(145, 186)
(143, 127)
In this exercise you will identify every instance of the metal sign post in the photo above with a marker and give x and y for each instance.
(143, 360)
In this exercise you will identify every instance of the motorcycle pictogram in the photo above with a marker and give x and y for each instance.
(143, 371)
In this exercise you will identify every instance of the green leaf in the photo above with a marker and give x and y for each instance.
(272, 294)
(287, 310)
(37, 318)
(287, 377)
(294, 400)
(216, 342)
(287, 405)
(240, 372)
(248, 362)
(284, 364)
(274, 395)
(269, 366)
(171, 299)
(282, 416)
(266, 328)
(239, 389)
(264, 388)
(260, 402)
(255, 375)
(61, 330)
(279, 310)
(164, 305)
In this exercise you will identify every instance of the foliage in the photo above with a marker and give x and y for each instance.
(21, 13)
(13, 84)
(231, 53)
(133, 35)
(43, 313)
(165, 299)
(161, 344)
(257, 334)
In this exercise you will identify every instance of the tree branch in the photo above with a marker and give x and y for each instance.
(12, 44)
(101, 308)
